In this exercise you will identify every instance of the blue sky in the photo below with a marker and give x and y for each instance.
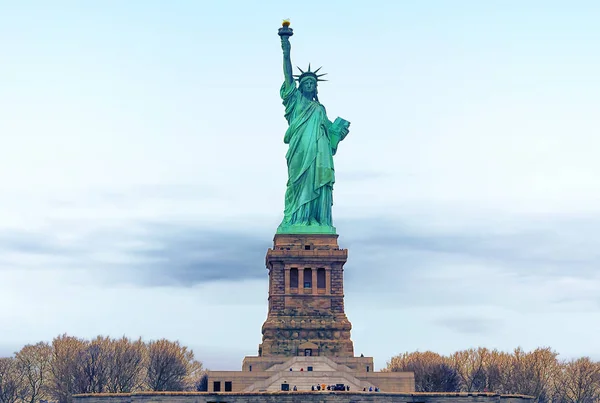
(142, 170)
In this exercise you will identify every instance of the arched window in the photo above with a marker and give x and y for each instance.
(320, 278)
(307, 278)
(293, 277)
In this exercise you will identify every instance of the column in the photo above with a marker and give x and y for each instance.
(300, 280)
(286, 274)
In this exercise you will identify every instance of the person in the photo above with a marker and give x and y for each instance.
(295, 388)
(313, 140)
(370, 389)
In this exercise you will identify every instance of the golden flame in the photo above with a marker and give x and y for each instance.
(286, 23)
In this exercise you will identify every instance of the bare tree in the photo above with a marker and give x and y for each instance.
(578, 382)
(532, 373)
(196, 374)
(170, 366)
(66, 352)
(10, 380)
(469, 365)
(497, 365)
(93, 366)
(33, 362)
(433, 373)
(126, 365)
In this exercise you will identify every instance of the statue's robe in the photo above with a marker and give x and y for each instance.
(312, 143)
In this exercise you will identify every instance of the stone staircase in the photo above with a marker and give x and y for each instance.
(325, 371)
(318, 364)
(304, 380)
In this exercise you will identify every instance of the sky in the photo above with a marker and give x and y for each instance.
(142, 170)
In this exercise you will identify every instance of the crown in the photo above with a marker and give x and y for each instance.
(309, 73)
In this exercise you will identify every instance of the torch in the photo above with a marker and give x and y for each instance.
(285, 30)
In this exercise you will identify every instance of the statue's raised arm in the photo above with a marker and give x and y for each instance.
(285, 32)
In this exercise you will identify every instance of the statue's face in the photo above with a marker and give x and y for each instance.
(309, 86)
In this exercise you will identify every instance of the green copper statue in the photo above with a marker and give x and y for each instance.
(313, 140)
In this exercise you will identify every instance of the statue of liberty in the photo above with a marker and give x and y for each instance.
(313, 140)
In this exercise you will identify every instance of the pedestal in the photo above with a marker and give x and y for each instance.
(306, 298)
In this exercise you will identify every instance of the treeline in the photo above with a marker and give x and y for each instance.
(69, 365)
(538, 373)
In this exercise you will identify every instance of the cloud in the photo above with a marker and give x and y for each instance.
(186, 255)
(29, 242)
(177, 253)
(471, 325)
(170, 191)
(539, 247)
(145, 253)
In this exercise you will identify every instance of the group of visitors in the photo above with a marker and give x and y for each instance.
(323, 387)
(330, 387)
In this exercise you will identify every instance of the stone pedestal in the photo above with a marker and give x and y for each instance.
(306, 298)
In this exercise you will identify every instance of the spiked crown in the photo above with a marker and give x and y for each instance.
(308, 73)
